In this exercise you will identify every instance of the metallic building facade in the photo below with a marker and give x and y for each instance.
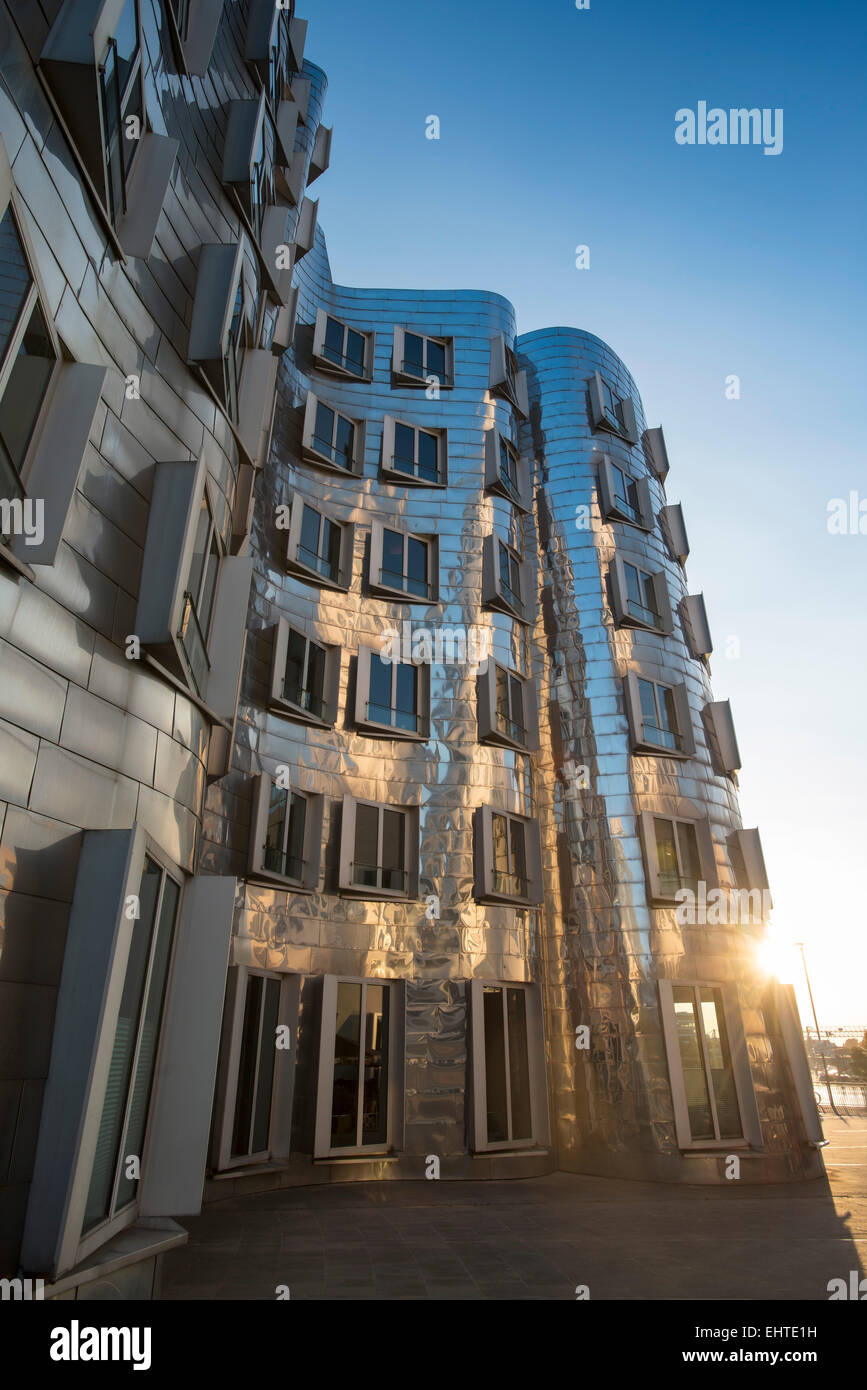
(205, 985)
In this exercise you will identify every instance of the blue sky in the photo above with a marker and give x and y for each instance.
(557, 129)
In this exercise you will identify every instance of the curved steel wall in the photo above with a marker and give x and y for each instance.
(607, 947)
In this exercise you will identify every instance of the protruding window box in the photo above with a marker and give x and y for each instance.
(508, 858)
(217, 321)
(342, 350)
(392, 698)
(149, 181)
(506, 471)
(403, 566)
(505, 579)
(257, 399)
(674, 531)
(320, 549)
(508, 707)
(297, 40)
(417, 359)
(678, 854)
(266, 49)
(321, 156)
(284, 330)
(305, 231)
(748, 862)
(300, 93)
(718, 714)
(331, 439)
(504, 378)
(189, 590)
(285, 835)
(622, 497)
(610, 411)
(193, 25)
(659, 717)
(640, 598)
(305, 675)
(696, 626)
(414, 455)
(278, 252)
(378, 850)
(656, 453)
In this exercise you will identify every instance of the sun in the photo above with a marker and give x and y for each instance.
(778, 955)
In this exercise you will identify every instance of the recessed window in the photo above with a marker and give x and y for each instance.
(642, 601)
(304, 676)
(285, 834)
(331, 437)
(622, 497)
(659, 716)
(610, 410)
(508, 857)
(392, 696)
(261, 185)
(132, 1067)
(341, 349)
(505, 470)
(509, 1109)
(507, 704)
(320, 549)
(640, 598)
(678, 854)
(708, 1063)
(379, 850)
(27, 358)
(505, 379)
(283, 850)
(625, 494)
(403, 565)
(504, 578)
(359, 1095)
(413, 455)
(419, 360)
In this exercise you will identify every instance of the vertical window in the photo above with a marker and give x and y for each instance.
(659, 715)
(510, 705)
(379, 859)
(27, 357)
(233, 353)
(359, 1094)
(625, 494)
(122, 97)
(509, 469)
(284, 837)
(304, 677)
(261, 181)
(510, 576)
(278, 61)
(405, 563)
(706, 1063)
(424, 357)
(394, 694)
(641, 595)
(507, 1067)
(344, 347)
(123, 1123)
(334, 436)
(182, 17)
(319, 544)
(416, 451)
(509, 855)
(251, 1126)
(201, 590)
(613, 406)
(677, 855)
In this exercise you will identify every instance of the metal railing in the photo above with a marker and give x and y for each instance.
(417, 369)
(513, 884)
(644, 615)
(395, 718)
(418, 470)
(313, 561)
(511, 727)
(375, 876)
(664, 738)
(396, 579)
(304, 699)
(340, 359)
(343, 458)
(278, 861)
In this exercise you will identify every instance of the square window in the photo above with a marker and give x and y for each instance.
(342, 350)
(305, 674)
(392, 697)
(331, 438)
(421, 360)
(403, 565)
(414, 455)
(378, 850)
(660, 720)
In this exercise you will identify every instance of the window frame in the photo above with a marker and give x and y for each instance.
(485, 886)
(388, 456)
(309, 451)
(381, 588)
(489, 723)
(376, 728)
(347, 886)
(519, 492)
(673, 528)
(609, 506)
(122, 101)
(278, 702)
(538, 1082)
(307, 571)
(624, 423)
(622, 603)
(307, 881)
(492, 582)
(751, 1133)
(704, 843)
(393, 1142)
(402, 377)
(506, 379)
(639, 742)
(327, 364)
(282, 1089)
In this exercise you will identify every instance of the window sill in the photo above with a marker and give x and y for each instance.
(629, 622)
(615, 515)
(386, 731)
(419, 383)
(653, 750)
(375, 895)
(383, 591)
(498, 740)
(322, 364)
(312, 576)
(500, 490)
(301, 716)
(511, 1150)
(371, 1156)
(393, 475)
(310, 455)
(150, 1236)
(719, 1147)
(506, 900)
(271, 880)
(502, 605)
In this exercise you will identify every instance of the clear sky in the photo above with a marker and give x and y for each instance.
(557, 130)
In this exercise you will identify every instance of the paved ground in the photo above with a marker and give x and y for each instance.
(536, 1238)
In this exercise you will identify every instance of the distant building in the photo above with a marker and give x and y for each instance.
(357, 742)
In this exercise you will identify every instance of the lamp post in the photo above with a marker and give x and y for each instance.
(800, 946)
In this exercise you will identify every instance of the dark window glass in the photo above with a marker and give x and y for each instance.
(15, 280)
(413, 354)
(333, 347)
(315, 677)
(345, 441)
(379, 707)
(392, 556)
(25, 392)
(393, 849)
(374, 1102)
(495, 1066)
(310, 523)
(247, 1067)
(267, 1058)
(519, 1064)
(293, 683)
(416, 567)
(692, 1063)
(366, 845)
(126, 39)
(690, 869)
(720, 1062)
(666, 856)
(404, 445)
(294, 865)
(276, 824)
(347, 1059)
(355, 351)
(436, 359)
(427, 456)
(406, 681)
(324, 433)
